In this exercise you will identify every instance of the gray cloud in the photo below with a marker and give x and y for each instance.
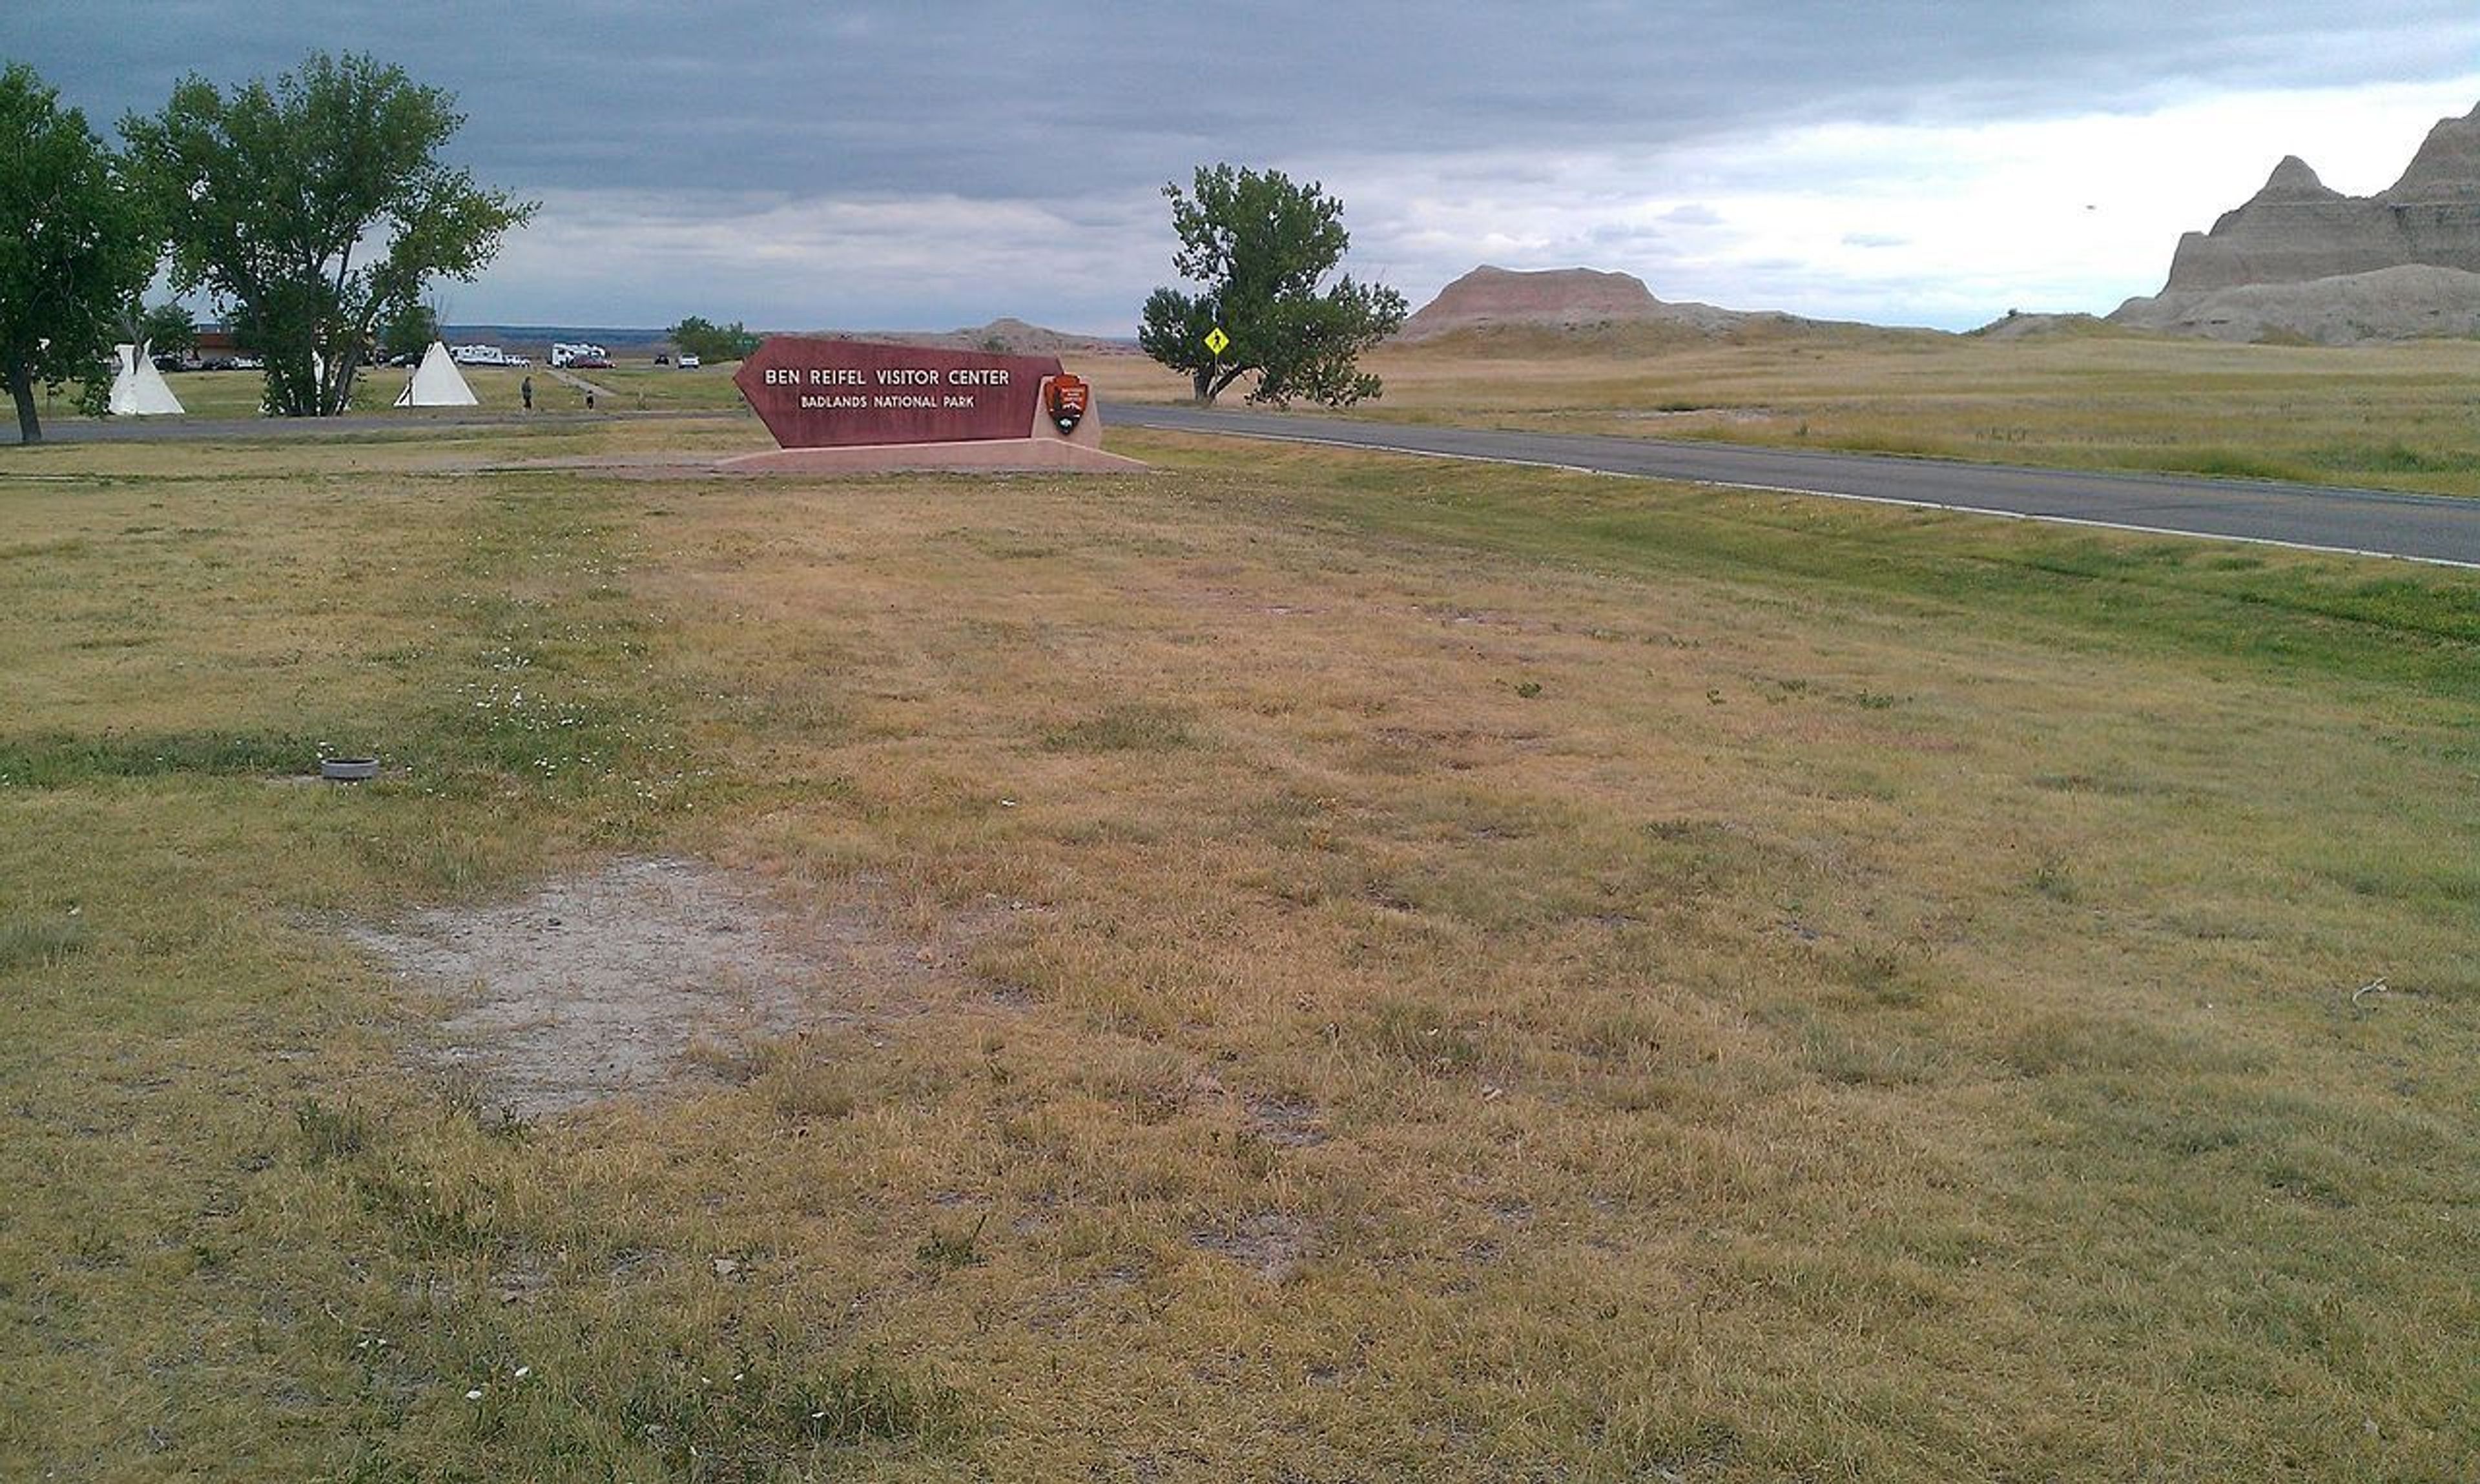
(1006, 99)
(1073, 115)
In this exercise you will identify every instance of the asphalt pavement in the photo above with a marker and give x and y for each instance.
(2441, 528)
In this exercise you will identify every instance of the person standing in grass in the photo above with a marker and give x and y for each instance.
(526, 392)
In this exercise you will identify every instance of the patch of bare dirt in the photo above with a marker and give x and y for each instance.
(598, 985)
(1292, 1123)
(1271, 1243)
(1284, 1121)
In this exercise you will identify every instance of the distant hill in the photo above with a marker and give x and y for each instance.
(1002, 337)
(1563, 299)
(1583, 305)
(2300, 260)
(1012, 337)
(520, 337)
(2018, 326)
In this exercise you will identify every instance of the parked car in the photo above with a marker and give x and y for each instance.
(690, 362)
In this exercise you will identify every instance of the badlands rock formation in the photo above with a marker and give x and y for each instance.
(1571, 298)
(2303, 259)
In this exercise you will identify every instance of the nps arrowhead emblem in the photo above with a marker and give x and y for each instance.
(1068, 398)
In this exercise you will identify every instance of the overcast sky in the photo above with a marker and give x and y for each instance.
(800, 164)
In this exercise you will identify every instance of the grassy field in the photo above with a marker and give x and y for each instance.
(2389, 417)
(2401, 416)
(1403, 970)
(637, 389)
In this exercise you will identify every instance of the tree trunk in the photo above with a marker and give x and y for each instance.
(21, 387)
(1204, 375)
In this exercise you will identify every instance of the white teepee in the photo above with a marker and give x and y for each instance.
(437, 382)
(138, 389)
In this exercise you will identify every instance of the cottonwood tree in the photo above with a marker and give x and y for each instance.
(1259, 246)
(709, 342)
(168, 328)
(74, 251)
(314, 208)
(408, 329)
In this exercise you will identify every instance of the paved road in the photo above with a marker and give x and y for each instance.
(2370, 522)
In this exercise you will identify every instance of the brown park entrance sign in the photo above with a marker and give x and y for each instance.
(858, 406)
(834, 393)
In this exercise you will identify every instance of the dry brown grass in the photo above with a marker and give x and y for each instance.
(1474, 972)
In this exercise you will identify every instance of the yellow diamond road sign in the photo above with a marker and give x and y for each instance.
(1216, 340)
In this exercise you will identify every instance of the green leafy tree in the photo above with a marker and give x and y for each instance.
(407, 330)
(1259, 246)
(168, 328)
(74, 251)
(315, 208)
(709, 342)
